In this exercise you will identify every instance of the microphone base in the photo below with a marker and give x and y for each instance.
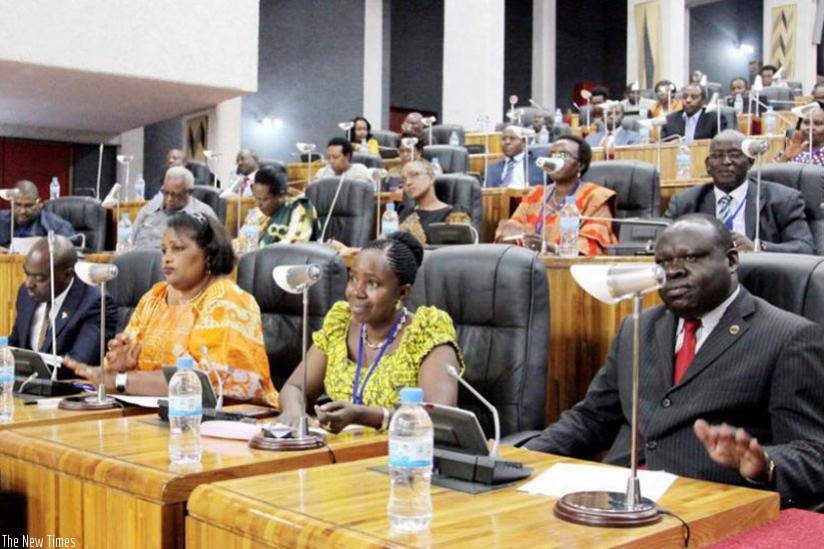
(608, 509)
(308, 442)
(87, 403)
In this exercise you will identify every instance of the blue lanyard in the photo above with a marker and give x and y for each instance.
(357, 396)
(541, 220)
(731, 218)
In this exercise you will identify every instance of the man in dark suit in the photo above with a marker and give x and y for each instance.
(692, 121)
(614, 134)
(731, 198)
(77, 305)
(29, 217)
(512, 170)
(730, 386)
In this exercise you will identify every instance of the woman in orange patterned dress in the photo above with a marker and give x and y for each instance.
(537, 215)
(196, 308)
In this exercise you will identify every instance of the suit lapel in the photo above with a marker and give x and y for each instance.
(750, 211)
(64, 316)
(660, 356)
(24, 318)
(730, 328)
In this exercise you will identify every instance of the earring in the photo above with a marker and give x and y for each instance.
(398, 305)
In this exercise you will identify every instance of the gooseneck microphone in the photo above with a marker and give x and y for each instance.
(296, 278)
(322, 237)
(755, 148)
(496, 420)
(52, 313)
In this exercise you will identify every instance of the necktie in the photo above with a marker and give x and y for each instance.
(44, 327)
(605, 140)
(725, 213)
(245, 185)
(684, 356)
(508, 170)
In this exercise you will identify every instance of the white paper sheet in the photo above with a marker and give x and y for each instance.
(565, 478)
(142, 401)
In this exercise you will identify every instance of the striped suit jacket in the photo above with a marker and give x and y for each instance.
(761, 369)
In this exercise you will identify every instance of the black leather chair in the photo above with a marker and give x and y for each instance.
(807, 179)
(452, 159)
(636, 184)
(442, 133)
(367, 159)
(138, 271)
(498, 299)
(793, 282)
(203, 175)
(281, 312)
(86, 215)
(458, 189)
(781, 98)
(388, 142)
(354, 215)
(211, 197)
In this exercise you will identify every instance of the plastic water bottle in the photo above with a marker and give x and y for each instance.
(683, 160)
(185, 413)
(364, 145)
(770, 122)
(140, 188)
(570, 220)
(436, 165)
(738, 104)
(454, 140)
(6, 381)
(559, 117)
(643, 133)
(389, 220)
(543, 135)
(251, 233)
(54, 188)
(410, 464)
(124, 233)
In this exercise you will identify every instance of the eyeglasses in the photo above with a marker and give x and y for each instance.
(732, 156)
(176, 196)
(562, 156)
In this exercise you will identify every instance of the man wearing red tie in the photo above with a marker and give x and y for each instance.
(730, 385)
(247, 165)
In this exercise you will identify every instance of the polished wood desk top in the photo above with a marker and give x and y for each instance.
(32, 415)
(345, 506)
(131, 454)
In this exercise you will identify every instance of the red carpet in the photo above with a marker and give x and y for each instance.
(794, 528)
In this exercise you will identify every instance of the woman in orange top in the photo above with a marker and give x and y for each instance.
(667, 103)
(196, 308)
(592, 200)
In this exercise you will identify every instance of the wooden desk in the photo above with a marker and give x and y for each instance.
(119, 469)
(671, 187)
(11, 277)
(497, 205)
(491, 140)
(345, 506)
(247, 203)
(32, 415)
(132, 208)
(581, 329)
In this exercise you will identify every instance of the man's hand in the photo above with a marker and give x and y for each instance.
(733, 448)
(742, 243)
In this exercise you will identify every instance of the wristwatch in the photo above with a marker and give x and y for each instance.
(120, 382)
(770, 473)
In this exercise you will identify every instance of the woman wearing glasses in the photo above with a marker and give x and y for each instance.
(197, 310)
(538, 215)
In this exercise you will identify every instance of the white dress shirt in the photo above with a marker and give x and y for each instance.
(739, 196)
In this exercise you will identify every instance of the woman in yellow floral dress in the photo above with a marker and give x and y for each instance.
(370, 346)
(197, 307)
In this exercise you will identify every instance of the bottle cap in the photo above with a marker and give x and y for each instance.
(4, 341)
(125, 215)
(390, 207)
(411, 395)
(570, 199)
(185, 362)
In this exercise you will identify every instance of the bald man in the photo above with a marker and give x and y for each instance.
(413, 124)
(29, 217)
(77, 306)
(731, 198)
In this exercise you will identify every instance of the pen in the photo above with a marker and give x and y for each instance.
(85, 386)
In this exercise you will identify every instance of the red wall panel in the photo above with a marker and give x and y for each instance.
(37, 161)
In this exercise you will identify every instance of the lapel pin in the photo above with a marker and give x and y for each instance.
(734, 329)
(64, 315)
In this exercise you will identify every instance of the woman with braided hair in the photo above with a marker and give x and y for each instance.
(370, 346)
